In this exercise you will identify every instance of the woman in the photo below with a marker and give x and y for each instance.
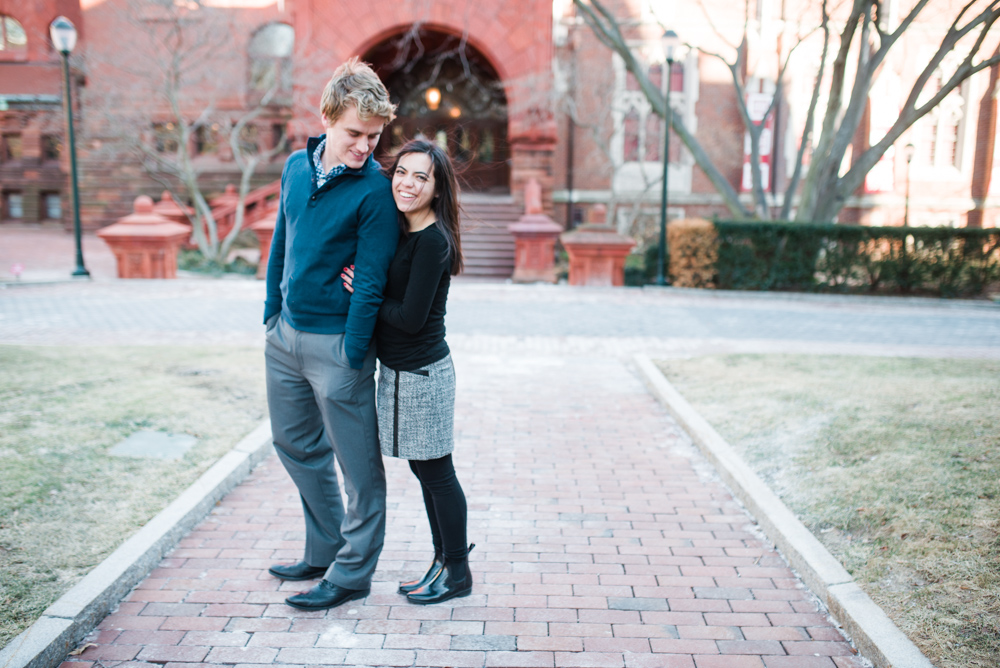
(416, 388)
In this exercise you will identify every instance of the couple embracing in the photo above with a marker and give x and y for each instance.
(360, 265)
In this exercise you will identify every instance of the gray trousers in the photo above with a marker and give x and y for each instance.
(322, 409)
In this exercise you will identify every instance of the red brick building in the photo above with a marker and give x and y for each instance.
(517, 89)
(33, 165)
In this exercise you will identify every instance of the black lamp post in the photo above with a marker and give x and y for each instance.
(670, 41)
(63, 35)
(908, 152)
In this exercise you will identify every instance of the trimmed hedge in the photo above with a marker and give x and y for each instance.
(941, 261)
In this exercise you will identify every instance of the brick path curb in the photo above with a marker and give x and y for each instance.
(66, 622)
(876, 636)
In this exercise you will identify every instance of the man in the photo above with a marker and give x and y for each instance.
(336, 210)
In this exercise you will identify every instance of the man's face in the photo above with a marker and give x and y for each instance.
(350, 140)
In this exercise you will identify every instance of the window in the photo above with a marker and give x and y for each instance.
(278, 132)
(654, 144)
(643, 129)
(631, 152)
(15, 205)
(12, 35)
(248, 139)
(637, 139)
(940, 132)
(677, 78)
(10, 147)
(655, 74)
(206, 139)
(52, 206)
(270, 76)
(51, 147)
(165, 137)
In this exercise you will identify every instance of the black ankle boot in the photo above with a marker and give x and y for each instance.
(454, 580)
(432, 572)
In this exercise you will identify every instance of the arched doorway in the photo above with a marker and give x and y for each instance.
(448, 92)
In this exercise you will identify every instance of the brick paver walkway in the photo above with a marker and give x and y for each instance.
(602, 540)
(603, 537)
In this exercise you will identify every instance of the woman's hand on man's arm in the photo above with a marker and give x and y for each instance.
(348, 275)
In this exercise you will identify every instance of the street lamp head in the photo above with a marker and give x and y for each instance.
(670, 42)
(908, 151)
(63, 34)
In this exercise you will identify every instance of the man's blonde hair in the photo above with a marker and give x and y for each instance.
(355, 83)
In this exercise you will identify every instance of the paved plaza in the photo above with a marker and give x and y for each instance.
(603, 537)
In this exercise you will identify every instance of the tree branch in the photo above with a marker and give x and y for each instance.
(606, 30)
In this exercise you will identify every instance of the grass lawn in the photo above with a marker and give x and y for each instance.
(894, 464)
(65, 504)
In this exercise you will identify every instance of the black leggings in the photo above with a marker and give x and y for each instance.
(446, 508)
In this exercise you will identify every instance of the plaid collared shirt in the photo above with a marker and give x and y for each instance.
(321, 176)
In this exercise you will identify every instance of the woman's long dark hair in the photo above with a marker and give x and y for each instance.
(445, 202)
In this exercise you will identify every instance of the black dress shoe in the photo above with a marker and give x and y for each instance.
(432, 572)
(325, 595)
(299, 571)
(452, 581)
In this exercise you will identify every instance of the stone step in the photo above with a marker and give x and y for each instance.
(487, 245)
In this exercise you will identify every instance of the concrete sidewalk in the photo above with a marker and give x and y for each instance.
(49, 254)
(603, 539)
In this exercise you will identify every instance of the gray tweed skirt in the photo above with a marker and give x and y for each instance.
(416, 411)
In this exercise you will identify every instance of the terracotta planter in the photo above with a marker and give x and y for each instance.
(144, 243)
(597, 253)
(171, 210)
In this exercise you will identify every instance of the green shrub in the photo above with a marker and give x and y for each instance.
(768, 256)
(635, 270)
(193, 260)
(949, 262)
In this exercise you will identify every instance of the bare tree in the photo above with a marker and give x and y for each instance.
(597, 123)
(181, 95)
(864, 38)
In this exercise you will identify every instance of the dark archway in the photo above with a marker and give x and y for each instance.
(447, 91)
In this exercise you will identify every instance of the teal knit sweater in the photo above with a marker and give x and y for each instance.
(351, 219)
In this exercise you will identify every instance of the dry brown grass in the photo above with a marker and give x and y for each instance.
(65, 504)
(894, 464)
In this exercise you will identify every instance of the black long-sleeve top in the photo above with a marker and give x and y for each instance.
(410, 329)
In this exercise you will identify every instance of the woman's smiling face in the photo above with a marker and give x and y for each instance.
(413, 183)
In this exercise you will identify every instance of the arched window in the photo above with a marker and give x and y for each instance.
(271, 64)
(12, 35)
